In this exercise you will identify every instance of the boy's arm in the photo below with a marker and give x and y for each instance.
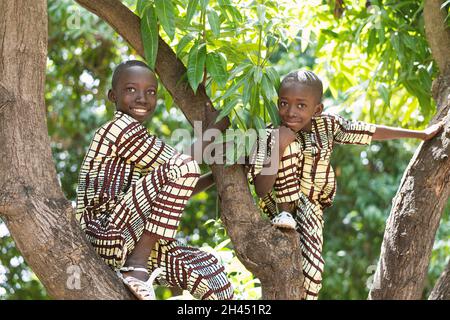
(203, 183)
(264, 183)
(388, 133)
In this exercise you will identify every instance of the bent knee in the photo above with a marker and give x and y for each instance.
(186, 163)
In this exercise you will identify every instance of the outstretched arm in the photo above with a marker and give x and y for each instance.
(389, 133)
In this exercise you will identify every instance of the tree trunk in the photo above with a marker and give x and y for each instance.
(272, 255)
(32, 205)
(441, 290)
(424, 190)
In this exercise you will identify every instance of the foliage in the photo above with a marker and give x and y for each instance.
(366, 61)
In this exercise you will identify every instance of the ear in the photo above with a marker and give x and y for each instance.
(111, 96)
(319, 109)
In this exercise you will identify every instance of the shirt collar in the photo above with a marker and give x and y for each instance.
(119, 114)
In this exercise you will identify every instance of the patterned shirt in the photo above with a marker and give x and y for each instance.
(121, 152)
(311, 171)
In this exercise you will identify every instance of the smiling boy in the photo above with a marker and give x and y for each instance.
(305, 185)
(132, 191)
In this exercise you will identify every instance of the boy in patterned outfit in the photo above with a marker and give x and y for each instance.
(132, 191)
(304, 185)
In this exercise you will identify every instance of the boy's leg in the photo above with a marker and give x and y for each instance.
(287, 187)
(151, 209)
(287, 184)
(190, 269)
(310, 225)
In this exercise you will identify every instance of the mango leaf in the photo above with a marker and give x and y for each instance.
(216, 65)
(272, 109)
(268, 89)
(149, 31)
(192, 7)
(237, 84)
(140, 6)
(183, 43)
(257, 74)
(274, 77)
(165, 13)
(196, 65)
(259, 123)
(214, 22)
(227, 108)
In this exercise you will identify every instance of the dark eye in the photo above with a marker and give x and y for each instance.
(151, 92)
(130, 89)
(283, 104)
(301, 106)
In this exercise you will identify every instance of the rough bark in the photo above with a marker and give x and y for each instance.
(441, 290)
(437, 32)
(272, 255)
(38, 216)
(423, 192)
(32, 205)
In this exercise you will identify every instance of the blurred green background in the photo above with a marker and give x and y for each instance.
(81, 56)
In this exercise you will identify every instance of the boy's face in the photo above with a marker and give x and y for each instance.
(297, 104)
(135, 92)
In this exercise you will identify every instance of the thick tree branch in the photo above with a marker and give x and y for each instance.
(423, 193)
(437, 33)
(273, 256)
(32, 204)
(441, 290)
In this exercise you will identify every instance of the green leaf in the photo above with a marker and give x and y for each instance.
(372, 41)
(140, 7)
(268, 87)
(257, 74)
(192, 7)
(273, 112)
(216, 65)
(196, 65)
(149, 31)
(227, 108)
(165, 13)
(255, 105)
(234, 88)
(384, 93)
(259, 123)
(183, 43)
(274, 77)
(214, 22)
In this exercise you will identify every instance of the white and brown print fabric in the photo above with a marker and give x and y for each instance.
(305, 176)
(132, 182)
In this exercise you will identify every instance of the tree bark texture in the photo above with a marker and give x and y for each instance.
(424, 190)
(441, 290)
(32, 204)
(272, 255)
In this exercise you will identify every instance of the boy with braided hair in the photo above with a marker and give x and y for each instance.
(295, 196)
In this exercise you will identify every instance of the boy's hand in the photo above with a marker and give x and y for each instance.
(287, 136)
(430, 132)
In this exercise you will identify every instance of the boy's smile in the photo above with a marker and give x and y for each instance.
(297, 104)
(135, 92)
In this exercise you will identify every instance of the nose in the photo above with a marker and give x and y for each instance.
(140, 96)
(291, 111)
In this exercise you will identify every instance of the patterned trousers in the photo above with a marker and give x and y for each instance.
(155, 204)
(308, 215)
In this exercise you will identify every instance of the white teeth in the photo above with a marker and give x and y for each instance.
(138, 110)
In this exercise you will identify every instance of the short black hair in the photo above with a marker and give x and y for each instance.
(125, 65)
(305, 77)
